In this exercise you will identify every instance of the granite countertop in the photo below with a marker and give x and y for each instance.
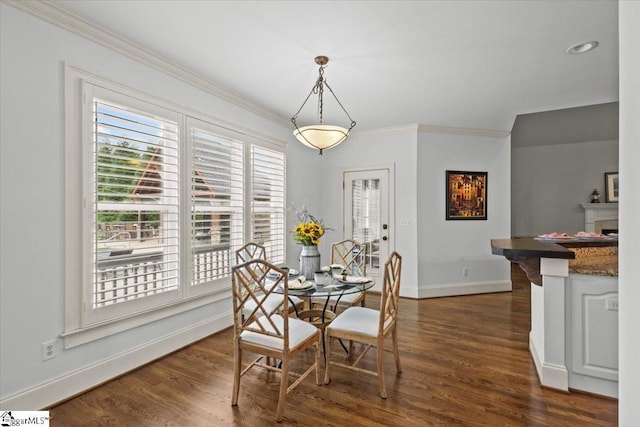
(598, 261)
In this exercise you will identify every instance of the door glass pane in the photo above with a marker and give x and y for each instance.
(365, 217)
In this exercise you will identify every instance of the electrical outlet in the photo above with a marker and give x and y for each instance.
(465, 271)
(48, 350)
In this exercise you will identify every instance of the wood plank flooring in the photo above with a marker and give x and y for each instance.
(465, 362)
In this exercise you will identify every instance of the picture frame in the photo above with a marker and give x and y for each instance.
(466, 195)
(611, 187)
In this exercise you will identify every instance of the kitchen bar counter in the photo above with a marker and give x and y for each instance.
(574, 316)
(598, 256)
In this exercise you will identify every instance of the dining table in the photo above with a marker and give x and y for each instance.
(334, 285)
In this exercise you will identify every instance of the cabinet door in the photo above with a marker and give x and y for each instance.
(594, 317)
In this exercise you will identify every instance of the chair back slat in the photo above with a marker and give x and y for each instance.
(390, 297)
(250, 282)
(250, 251)
(349, 253)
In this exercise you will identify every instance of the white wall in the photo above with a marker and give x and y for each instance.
(434, 250)
(32, 57)
(375, 149)
(537, 170)
(629, 267)
(445, 247)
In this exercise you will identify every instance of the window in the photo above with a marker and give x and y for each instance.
(135, 177)
(162, 199)
(217, 203)
(268, 201)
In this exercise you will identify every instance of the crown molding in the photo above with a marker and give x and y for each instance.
(418, 128)
(53, 14)
(387, 130)
(463, 131)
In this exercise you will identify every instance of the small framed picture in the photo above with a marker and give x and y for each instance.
(466, 195)
(611, 187)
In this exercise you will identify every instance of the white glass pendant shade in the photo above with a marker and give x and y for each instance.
(321, 137)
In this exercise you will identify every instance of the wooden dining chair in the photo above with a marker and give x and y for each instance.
(251, 251)
(352, 255)
(268, 333)
(369, 326)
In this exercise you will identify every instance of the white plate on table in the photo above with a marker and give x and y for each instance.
(354, 280)
(296, 285)
(274, 274)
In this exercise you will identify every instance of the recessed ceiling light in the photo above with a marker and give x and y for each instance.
(579, 48)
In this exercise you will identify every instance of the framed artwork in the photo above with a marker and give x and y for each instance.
(466, 195)
(611, 187)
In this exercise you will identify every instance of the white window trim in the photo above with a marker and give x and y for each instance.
(76, 331)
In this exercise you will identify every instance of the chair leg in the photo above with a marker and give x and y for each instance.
(284, 384)
(380, 352)
(327, 357)
(396, 353)
(237, 368)
(318, 357)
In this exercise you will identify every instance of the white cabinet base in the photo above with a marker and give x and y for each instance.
(574, 330)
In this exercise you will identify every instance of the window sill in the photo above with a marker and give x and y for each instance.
(74, 338)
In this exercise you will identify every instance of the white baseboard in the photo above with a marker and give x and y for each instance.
(593, 385)
(47, 394)
(454, 289)
(550, 375)
(533, 350)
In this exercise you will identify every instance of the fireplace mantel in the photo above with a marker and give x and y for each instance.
(594, 212)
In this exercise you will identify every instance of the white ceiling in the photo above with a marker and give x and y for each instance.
(468, 64)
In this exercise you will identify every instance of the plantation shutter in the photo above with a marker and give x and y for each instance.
(135, 182)
(268, 201)
(217, 201)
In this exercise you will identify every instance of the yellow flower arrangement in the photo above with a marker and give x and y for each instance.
(309, 230)
(308, 233)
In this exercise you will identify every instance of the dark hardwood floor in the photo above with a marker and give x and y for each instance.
(465, 361)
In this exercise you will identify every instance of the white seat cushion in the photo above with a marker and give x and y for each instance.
(299, 331)
(347, 299)
(362, 320)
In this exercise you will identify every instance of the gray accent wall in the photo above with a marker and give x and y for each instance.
(549, 182)
(597, 122)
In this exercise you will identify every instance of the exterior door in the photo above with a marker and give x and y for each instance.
(366, 214)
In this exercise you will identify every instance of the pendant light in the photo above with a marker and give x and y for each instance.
(321, 136)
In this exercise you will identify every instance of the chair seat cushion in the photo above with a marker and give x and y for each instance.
(347, 299)
(299, 331)
(361, 320)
